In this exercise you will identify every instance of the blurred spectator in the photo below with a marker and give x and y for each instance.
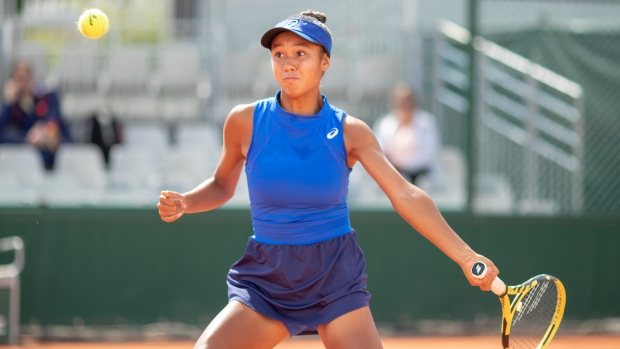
(408, 135)
(103, 129)
(31, 114)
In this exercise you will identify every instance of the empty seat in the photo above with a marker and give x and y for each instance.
(447, 185)
(78, 69)
(77, 72)
(83, 161)
(199, 135)
(134, 178)
(78, 179)
(129, 70)
(241, 71)
(364, 191)
(538, 207)
(13, 194)
(177, 79)
(135, 168)
(24, 162)
(493, 194)
(152, 135)
(128, 86)
(178, 70)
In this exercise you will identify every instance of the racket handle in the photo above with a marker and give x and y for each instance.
(479, 271)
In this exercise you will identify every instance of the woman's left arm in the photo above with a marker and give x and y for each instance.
(412, 203)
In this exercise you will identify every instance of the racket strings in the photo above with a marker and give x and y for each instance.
(533, 315)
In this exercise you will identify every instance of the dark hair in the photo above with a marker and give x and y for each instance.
(315, 17)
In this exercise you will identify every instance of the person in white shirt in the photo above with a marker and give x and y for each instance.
(408, 135)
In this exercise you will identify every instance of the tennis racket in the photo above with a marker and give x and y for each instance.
(532, 318)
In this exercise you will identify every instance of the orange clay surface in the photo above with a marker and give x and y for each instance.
(560, 342)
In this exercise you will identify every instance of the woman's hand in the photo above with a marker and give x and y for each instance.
(171, 206)
(484, 283)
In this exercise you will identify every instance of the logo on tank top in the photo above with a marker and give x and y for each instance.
(332, 133)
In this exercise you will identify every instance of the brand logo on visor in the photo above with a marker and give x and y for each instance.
(291, 23)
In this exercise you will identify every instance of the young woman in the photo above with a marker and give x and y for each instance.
(302, 271)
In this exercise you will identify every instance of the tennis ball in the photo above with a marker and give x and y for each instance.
(93, 23)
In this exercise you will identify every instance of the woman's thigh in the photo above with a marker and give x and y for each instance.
(355, 330)
(238, 326)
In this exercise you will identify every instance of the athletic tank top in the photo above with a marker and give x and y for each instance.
(297, 174)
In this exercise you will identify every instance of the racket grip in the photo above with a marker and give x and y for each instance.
(479, 271)
(498, 287)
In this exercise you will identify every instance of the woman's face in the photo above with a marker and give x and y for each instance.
(298, 64)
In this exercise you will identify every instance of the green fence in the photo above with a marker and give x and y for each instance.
(105, 267)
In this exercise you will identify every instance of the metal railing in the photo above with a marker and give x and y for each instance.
(528, 124)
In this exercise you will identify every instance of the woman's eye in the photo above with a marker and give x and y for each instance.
(301, 53)
(278, 55)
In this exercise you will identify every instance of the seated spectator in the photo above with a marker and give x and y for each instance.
(408, 135)
(31, 114)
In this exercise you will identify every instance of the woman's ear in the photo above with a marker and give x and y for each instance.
(326, 62)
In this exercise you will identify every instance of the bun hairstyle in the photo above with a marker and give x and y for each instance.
(318, 18)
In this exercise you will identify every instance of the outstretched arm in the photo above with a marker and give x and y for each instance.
(217, 190)
(412, 203)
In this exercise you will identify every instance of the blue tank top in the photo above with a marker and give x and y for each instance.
(297, 174)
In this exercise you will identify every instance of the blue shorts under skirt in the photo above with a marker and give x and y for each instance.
(301, 285)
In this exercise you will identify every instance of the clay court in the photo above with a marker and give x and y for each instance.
(563, 342)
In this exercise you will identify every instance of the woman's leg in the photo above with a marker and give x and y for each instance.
(355, 330)
(238, 326)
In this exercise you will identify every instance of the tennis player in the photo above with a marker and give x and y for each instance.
(302, 270)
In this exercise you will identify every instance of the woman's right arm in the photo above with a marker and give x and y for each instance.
(217, 190)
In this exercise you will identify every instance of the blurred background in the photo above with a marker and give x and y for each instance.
(525, 96)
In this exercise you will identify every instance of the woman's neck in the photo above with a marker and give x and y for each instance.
(304, 105)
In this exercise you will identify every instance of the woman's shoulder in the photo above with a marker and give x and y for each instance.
(356, 128)
(241, 113)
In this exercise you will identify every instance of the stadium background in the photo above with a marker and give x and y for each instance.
(529, 157)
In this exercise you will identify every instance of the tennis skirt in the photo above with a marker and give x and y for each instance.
(301, 285)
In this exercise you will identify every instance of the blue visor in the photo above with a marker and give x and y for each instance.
(306, 29)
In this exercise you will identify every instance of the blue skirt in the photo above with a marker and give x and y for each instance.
(301, 285)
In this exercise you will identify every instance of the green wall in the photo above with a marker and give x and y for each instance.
(111, 266)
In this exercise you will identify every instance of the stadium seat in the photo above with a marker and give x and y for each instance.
(178, 70)
(15, 195)
(127, 84)
(24, 161)
(364, 191)
(205, 136)
(538, 207)
(134, 178)
(79, 176)
(188, 167)
(493, 195)
(240, 72)
(447, 186)
(77, 72)
(152, 136)
(21, 175)
(177, 79)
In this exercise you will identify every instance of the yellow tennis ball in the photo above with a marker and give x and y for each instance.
(93, 23)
